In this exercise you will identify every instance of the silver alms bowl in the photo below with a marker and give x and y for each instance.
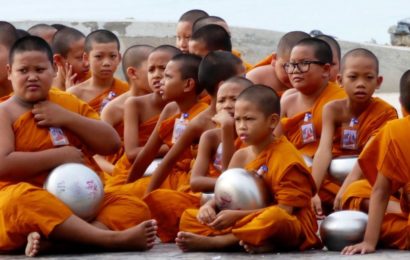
(77, 186)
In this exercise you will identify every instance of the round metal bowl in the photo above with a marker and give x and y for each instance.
(340, 167)
(239, 189)
(77, 186)
(343, 228)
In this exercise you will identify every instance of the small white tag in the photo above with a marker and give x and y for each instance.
(58, 137)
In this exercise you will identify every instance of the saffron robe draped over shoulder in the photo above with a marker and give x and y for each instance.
(387, 154)
(118, 87)
(369, 123)
(26, 207)
(123, 165)
(178, 176)
(291, 184)
(291, 129)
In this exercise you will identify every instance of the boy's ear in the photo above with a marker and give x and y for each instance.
(190, 85)
(131, 72)
(339, 79)
(275, 119)
(8, 67)
(274, 58)
(326, 69)
(58, 59)
(86, 58)
(379, 81)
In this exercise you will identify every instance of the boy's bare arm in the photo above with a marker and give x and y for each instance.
(323, 155)
(191, 133)
(90, 131)
(207, 147)
(239, 158)
(149, 151)
(131, 127)
(378, 203)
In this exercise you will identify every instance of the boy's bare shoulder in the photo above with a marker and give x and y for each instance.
(115, 108)
(80, 89)
(212, 135)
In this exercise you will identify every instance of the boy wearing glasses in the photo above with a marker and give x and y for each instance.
(272, 73)
(301, 110)
(349, 123)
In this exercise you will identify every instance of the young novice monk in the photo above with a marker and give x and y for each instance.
(388, 171)
(29, 151)
(215, 150)
(8, 35)
(68, 49)
(181, 86)
(221, 22)
(134, 65)
(334, 45)
(102, 53)
(309, 71)
(44, 31)
(141, 113)
(211, 37)
(221, 65)
(349, 123)
(273, 74)
(289, 222)
(184, 27)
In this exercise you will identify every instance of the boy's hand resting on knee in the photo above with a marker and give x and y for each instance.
(225, 218)
(206, 214)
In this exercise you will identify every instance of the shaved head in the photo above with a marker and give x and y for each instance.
(360, 52)
(8, 34)
(64, 39)
(405, 90)
(264, 97)
(210, 20)
(192, 15)
(44, 31)
(100, 36)
(134, 56)
(288, 41)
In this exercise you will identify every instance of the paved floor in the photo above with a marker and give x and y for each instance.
(170, 251)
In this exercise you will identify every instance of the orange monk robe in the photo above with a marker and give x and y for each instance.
(167, 206)
(27, 207)
(118, 87)
(291, 128)
(247, 65)
(265, 61)
(122, 166)
(291, 183)
(178, 176)
(387, 154)
(370, 122)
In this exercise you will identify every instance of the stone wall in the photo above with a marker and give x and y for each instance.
(254, 44)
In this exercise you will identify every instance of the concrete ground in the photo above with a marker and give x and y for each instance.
(170, 251)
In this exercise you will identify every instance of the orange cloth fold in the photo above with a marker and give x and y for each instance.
(26, 207)
(178, 176)
(387, 154)
(290, 183)
(291, 129)
(122, 166)
(118, 87)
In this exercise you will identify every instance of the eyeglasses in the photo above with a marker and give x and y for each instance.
(302, 66)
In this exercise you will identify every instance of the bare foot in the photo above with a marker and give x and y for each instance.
(33, 244)
(187, 241)
(266, 248)
(140, 237)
